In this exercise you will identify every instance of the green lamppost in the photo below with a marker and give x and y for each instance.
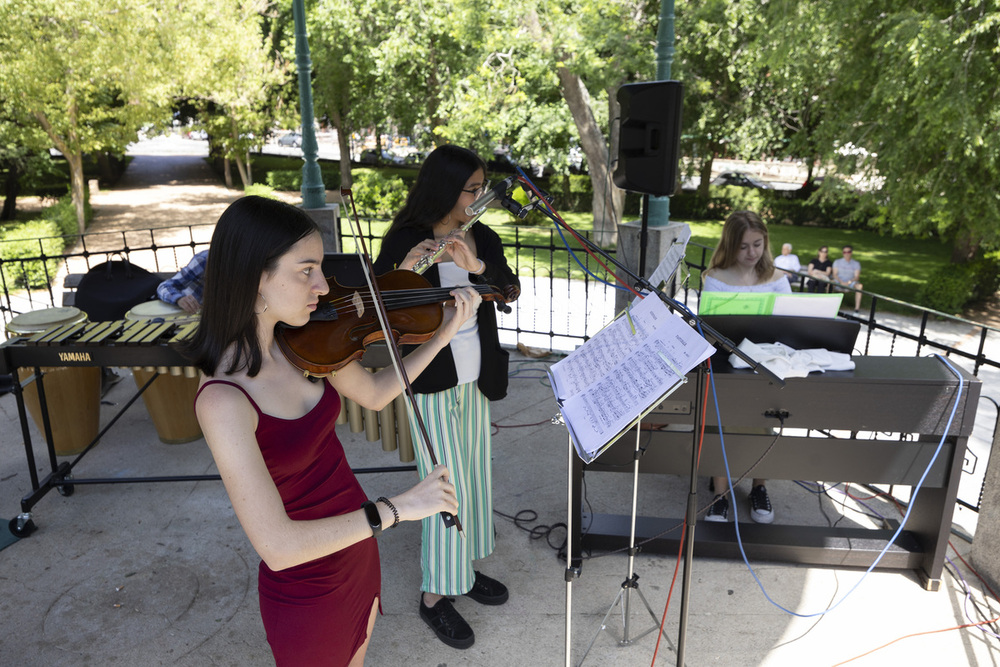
(659, 207)
(313, 190)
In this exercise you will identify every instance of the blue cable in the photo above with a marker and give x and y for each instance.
(906, 516)
(544, 207)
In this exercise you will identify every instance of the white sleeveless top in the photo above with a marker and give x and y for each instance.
(781, 285)
(465, 348)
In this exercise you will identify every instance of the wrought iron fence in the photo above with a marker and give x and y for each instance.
(562, 303)
(33, 271)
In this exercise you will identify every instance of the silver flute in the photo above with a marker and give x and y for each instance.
(427, 261)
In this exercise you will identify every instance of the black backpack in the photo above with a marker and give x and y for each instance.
(112, 288)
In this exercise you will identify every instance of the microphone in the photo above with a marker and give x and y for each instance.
(519, 211)
(486, 198)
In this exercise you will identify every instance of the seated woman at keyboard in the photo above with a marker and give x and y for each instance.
(742, 262)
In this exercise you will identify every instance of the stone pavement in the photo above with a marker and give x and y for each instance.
(156, 574)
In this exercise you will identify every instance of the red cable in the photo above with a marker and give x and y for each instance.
(931, 632)
(680, 548)
(918, 634)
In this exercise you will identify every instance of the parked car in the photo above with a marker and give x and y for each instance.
(739, 179)
(293, 139)
(371, 156)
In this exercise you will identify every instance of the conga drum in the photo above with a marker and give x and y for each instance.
(170, 399)
(72, 393)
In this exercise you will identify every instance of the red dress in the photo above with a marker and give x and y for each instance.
(315, 613)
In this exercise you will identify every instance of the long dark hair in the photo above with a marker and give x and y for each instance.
(726, 252)
(439, 185)
(248, 240)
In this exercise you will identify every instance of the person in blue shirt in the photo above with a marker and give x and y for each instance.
(185, 288)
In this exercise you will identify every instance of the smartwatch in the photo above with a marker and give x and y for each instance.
(373, 516)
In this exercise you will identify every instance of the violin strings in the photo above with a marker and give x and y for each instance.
(396, 299)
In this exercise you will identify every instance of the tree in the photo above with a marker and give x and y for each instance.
(23, 153)
(343, 36)
(547, 81)
(423, 60)
(800, 60)
(710, 41)
(89, 72)
(920, 98)
(232, 70)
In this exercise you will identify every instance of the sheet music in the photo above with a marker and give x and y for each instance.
(621, 373)
(808, 305)
(671, 260)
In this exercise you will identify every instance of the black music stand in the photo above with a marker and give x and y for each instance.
(573, 565)
(631, 581)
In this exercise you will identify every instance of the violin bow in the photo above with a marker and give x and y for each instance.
(394, 354)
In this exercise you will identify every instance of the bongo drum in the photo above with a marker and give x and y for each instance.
(72, 394)
(170, 399)
(160, 310)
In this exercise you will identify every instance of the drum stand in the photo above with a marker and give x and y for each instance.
(631, 582)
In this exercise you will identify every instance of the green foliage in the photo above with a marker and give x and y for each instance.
(692, 206)
(376, 194)
(291, 179)
(31, 240)
(63, 214)
(89, 73)
(285, 179)
(948, 289)
(985, 276)
(915, 86)
(570, 192)
(259, 190)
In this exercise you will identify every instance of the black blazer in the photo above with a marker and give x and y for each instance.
(441, 373)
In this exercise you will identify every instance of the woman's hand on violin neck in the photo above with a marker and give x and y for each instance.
(467, 301)
(433, 494)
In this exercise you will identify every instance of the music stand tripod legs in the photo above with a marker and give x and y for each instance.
(631, 583)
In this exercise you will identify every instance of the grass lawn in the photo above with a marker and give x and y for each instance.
(890, 266)
(894, 267)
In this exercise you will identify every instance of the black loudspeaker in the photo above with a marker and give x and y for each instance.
(649, 142)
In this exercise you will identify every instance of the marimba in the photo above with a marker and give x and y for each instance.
(154, 346)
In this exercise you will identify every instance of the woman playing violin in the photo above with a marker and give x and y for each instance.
(454, 394)
(271, 433)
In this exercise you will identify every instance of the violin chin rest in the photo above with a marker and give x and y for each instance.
(326, 311)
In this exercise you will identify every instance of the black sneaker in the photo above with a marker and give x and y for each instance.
(760, 505)
(486, 590)
(447, 623)
(109, 378)
(719, 511)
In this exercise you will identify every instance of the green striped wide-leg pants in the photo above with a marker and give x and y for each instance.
(458, 424)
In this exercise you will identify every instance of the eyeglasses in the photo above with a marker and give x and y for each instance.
(480, 190)
(848, 252)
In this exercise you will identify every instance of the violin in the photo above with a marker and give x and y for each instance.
(345, 321)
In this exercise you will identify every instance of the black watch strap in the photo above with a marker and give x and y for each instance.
(373, 516)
